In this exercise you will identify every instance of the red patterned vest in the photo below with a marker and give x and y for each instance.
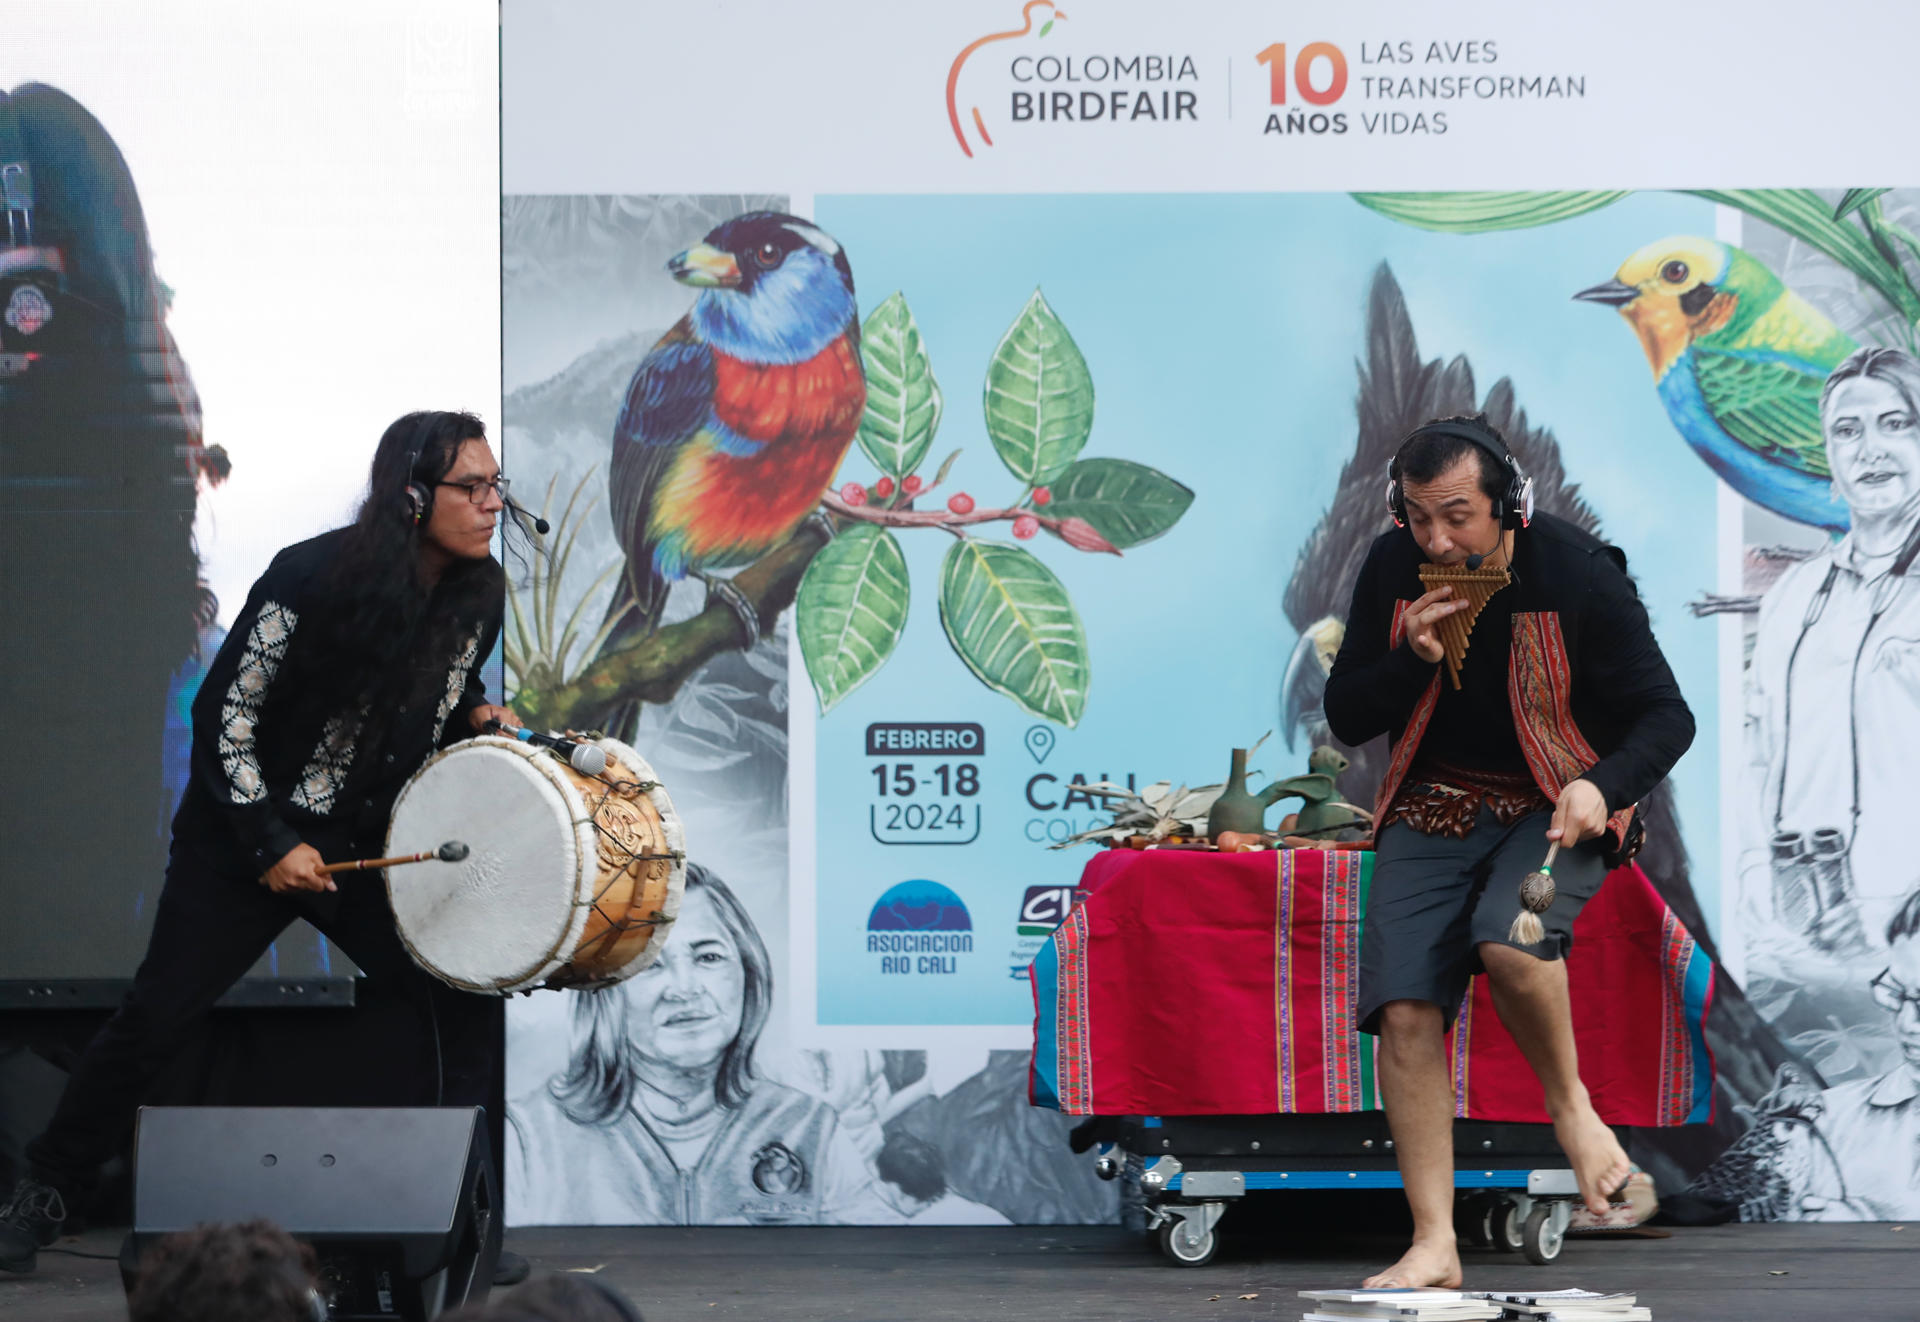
(1539, 687)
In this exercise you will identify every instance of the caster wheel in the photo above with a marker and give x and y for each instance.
(1470, 1220)
(1539, 1239)
(1503, 1228)
(1185, 1244)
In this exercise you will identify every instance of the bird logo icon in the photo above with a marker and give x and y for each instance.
(1738, 360)
(1054, 15)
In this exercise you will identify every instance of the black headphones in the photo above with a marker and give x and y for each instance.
(31, 280)
(16, 177)
(42, 316)
(1513, 507)
(419, 494)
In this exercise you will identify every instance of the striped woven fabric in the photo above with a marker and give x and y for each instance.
(1225, 984)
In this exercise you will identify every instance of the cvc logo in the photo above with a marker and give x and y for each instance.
(1044, 908)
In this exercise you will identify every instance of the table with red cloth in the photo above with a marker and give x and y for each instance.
(1200, 983)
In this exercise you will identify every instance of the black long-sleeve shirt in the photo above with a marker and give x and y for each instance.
(274, 767)
(1623, 696)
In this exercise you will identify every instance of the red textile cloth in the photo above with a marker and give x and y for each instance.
(1168, 992)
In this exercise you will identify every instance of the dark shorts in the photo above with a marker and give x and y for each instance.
(1435, 899)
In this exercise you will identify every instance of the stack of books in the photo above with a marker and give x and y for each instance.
(1567, 1306)
(1411, 1305)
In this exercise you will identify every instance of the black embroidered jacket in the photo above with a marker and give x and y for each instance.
(273, 767)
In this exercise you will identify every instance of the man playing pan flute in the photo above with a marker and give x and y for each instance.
(356, 655)
(1565, 716)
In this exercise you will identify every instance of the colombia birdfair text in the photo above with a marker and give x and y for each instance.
(1054, 89)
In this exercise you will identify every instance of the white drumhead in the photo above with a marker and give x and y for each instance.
(676, 841)
(506, 916)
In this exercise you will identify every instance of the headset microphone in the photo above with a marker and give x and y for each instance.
(522, 513)
(1475, 561)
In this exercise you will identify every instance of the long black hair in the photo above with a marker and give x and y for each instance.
(382, 631)
(107, 401)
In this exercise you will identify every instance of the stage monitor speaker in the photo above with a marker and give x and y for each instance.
(400, 1204)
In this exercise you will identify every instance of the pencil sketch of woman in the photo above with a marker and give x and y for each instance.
(1834, 688)
(662, 1118)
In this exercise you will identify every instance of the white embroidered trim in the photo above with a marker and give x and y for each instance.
(266, 645)
(327, 771)
(456, 685)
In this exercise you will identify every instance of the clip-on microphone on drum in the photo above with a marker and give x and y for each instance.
(451, 852)
(587, 759)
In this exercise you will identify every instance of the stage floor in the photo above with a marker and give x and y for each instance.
(1096, 1274)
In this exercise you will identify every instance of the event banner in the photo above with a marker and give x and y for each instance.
(1182, 434)
(952, 437)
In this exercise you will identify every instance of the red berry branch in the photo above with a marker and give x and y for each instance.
(853, 502)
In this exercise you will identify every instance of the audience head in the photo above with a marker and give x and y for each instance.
(558, 1297)
(251, 1272)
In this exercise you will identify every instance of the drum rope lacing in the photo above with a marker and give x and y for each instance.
(627, 858)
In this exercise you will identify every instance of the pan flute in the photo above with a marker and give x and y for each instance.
(1473, 586)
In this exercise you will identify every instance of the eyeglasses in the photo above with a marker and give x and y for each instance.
(1891, 994)
(478, 488)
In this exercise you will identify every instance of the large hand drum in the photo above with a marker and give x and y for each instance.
(571, 880)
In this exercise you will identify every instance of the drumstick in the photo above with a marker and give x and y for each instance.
(451, 852)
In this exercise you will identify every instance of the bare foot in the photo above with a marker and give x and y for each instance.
(1428, 1262)
(1600, 1164)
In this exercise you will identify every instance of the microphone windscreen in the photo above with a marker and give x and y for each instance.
(540, 526)
(588, 759)
(1474, 561)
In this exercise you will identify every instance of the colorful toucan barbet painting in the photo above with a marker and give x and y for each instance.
(730, 435)
(1739, 360)
(738, 419)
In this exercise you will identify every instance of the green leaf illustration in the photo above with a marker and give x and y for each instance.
(1039, 395)
(1014, 625)
(1046, 27)
(903, 399)
(1855, 199)
(1127, 503)
(851, 607)
(1802, 213)
(1799, 212)
(946, 466)
(1478, 213)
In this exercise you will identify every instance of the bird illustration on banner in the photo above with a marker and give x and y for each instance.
(737, 420)
(1739, 360)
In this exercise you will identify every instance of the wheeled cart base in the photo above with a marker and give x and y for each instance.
(1515, 1190)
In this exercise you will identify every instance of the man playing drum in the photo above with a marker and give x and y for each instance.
(357, 655)
(1564, 717)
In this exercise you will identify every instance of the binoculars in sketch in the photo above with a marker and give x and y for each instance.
(1813, 889)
